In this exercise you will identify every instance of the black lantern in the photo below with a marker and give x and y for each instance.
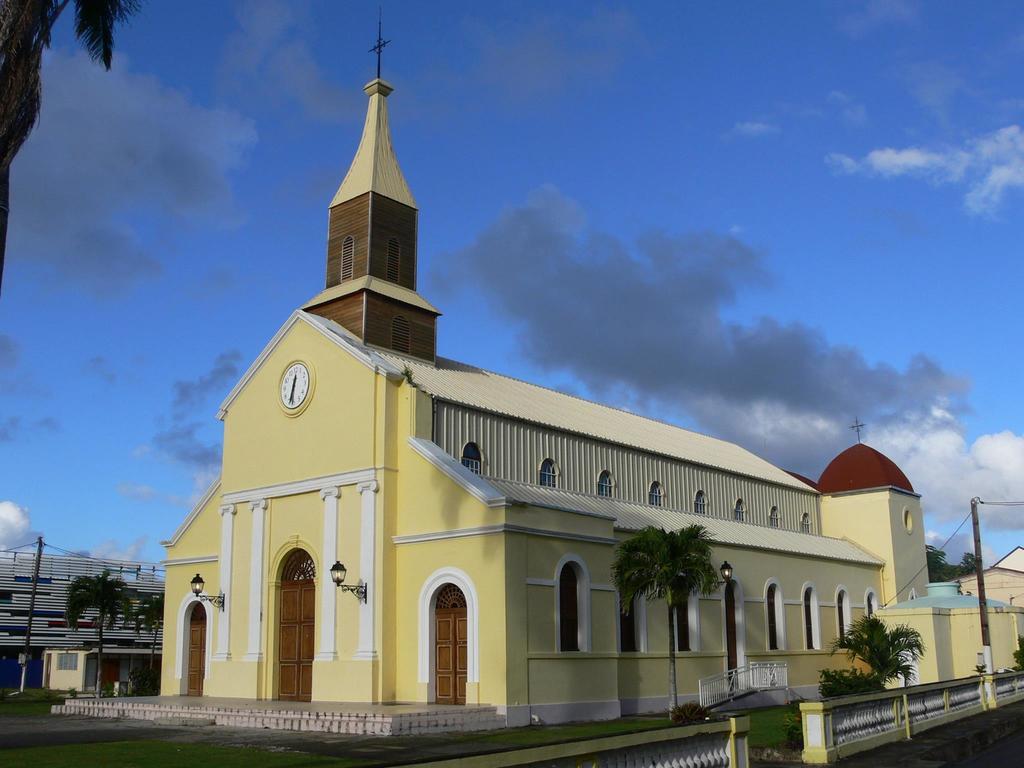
(726, 571)
(338, 573)
(197, 589)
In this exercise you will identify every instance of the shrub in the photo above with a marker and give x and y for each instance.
(792, 727)
(107, 691)
(1018, 655)
(144, 681)
(690, 712)
(73, 693)
(845, 682)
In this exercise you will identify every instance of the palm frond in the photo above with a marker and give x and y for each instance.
(94, 25)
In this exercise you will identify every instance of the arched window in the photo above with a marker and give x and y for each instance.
(805, 523)
(655, 496)
(912, 595)
(569, 614)
(400, 334)
(870, 603)
(810, 600)
(627, 629)
(700, 503)
(604, 484)
(348, 257)
(739, 511)
(548, 473)
(394, 259)
(773, 517)
(682, 617)
(773, 618)
(471, 458)
(842, 612)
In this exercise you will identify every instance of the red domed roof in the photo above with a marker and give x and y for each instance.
(861, 466)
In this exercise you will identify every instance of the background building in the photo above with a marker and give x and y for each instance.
(49, 629)
(1004, 580)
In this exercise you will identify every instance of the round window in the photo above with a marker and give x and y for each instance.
(908, 521)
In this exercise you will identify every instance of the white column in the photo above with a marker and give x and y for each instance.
(328, 590)
(367, 567)
(227, 530)
(255, 651)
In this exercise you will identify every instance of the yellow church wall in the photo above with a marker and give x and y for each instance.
(264, 445)
(874, 521)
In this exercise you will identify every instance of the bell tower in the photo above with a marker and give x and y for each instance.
(370, 285)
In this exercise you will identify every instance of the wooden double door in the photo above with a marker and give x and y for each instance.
(196, 650)
(295, 640)
(451, 646)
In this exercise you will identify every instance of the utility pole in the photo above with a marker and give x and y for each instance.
(986, 643)
(31, 611)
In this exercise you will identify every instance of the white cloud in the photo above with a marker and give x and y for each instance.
(990, 165)
(112, 549)
(754, 128)
(147, 493)
(851, 111)
(878, 13)
(15, 525)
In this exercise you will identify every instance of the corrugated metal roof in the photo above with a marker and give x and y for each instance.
(477, 388)
(631, 516)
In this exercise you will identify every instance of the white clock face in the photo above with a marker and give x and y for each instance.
(295, 386)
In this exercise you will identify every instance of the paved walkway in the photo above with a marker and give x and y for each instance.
(399, 708)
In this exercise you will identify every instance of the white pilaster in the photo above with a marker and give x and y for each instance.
(227, 531)
(367, 567)
(255, 649)
(328, 590)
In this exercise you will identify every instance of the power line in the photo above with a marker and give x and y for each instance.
(925, 566)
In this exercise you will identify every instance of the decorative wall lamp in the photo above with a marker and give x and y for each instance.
(726, 571)
(338, 571)
(197, 590)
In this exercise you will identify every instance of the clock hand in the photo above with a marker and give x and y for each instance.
(291, 397)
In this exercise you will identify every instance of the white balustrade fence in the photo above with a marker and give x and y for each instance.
(845, 725)
(758, 676)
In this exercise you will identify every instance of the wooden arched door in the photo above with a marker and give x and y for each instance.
(451, 646)
(296, 627)
(730, 624)
(196, 650)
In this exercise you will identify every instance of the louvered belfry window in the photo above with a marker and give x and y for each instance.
(400, 334)
(394, 259)
(348, 257)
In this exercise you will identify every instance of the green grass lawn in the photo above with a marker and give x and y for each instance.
(767, 728)
(163, 754)
(34, 701)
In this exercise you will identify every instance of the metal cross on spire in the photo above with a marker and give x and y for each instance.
(857, 426)
(381, 42)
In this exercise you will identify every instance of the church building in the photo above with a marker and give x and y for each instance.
(390, 525)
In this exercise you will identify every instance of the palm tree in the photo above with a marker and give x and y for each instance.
(890, 652)
(666, 565)
(105, 596)
(148, 615)
(25, 28)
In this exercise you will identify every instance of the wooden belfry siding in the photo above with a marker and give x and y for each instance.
(514, 450)
(372, 220)
(349, 218)
(389, 219)
(346, 311)
(381, 310)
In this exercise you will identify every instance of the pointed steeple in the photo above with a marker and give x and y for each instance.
(375, 167)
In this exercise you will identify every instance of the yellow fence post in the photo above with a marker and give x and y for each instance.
(906, 713)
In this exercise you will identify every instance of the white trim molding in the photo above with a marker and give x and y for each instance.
(428, 593)
(870, 601)
(815, 616)
(583, 634)
(368, 568)
(328, 589)
(487, 530)
(254, 650)
(847, 613)
(190, 560)
(778, 609)
(181, 656)
(309, 485)
(227, 532)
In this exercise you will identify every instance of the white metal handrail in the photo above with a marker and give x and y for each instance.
(757, 676)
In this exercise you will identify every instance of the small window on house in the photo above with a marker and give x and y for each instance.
(700, 503)
(548, 474)
(400, 334)
(773, 623)
(67, 662)
(739, 510)
(348, 257)
(604, 484)
(655, 496)
(805, 523)
(568, 609)
(682, 617)
(394, 259)
(471, 457)
(773, 517)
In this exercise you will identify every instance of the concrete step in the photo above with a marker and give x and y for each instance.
(187, 721)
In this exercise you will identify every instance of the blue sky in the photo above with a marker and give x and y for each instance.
(810, 211)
